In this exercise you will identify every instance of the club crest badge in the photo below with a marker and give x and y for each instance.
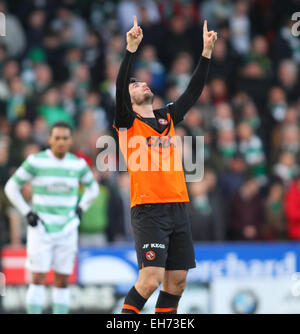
(150, 255)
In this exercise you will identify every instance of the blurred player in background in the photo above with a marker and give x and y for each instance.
(52, 233)
(159, 217)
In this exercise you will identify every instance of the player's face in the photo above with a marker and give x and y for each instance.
(60, 141)
(140, 93)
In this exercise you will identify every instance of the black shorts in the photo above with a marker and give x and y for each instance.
(162, 235)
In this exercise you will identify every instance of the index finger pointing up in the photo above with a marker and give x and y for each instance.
(135, 21)
(205, 26)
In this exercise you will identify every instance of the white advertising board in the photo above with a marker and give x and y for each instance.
(256, 295)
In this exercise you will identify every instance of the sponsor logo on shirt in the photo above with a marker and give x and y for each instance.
(154, 245)
(162, 121)
(58, 187)
(156, 141)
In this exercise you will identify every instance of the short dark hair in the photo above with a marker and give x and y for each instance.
(61, 124)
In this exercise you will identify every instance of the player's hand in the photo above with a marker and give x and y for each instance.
(209, 38)
(134, 36)
(32, 219)
(79, 212)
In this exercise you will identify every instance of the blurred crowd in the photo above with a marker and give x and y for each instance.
(59, 61)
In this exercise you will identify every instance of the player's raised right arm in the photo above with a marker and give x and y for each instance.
(134, 36)
(124, 114)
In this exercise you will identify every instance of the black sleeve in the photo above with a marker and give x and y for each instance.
(194, 89)
(124, 115)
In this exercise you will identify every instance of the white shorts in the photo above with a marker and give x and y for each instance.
(47, 251)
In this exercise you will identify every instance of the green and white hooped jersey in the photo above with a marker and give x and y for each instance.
(55, 185)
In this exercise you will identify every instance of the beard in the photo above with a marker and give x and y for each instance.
(146, 98)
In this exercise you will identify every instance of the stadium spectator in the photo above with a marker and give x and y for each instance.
(277, 104)
(82, 80)
(249, 114)
(232, 178)
(54, 53)
(87, 128)
(107, 86)
(216, 11)
(286, 168)
(94, 221)
(18, 104)
(93, 103)
(15, 39)
(286, 45)
(40, 132)
(71, 26)
(128, 8)
(194, 121)
(21, 136)
(246, 213)
(69, 98)
(43, 79)
(176, 40)
(287, 76)
(153, 31)
(206, 209)
(35, 28)
(240, 27)
(93, 55)
(10, 70)
(200, 212)
(224, 149)
(289, 140)
(206, 108)
(292, 210)
(291, 117)
(219, 90)
(250, 145)
(274, 227)
(223, 117)
(224, 61)
(51, 109)
(258, 54)
(114, 48)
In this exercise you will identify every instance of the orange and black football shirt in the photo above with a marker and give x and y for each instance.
(149, 145)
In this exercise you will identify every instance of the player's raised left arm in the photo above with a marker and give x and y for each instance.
(194, 89)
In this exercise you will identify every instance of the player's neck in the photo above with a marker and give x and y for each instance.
(145, 110)
(58, 155)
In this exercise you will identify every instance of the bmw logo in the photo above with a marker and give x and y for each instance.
(244, 302)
